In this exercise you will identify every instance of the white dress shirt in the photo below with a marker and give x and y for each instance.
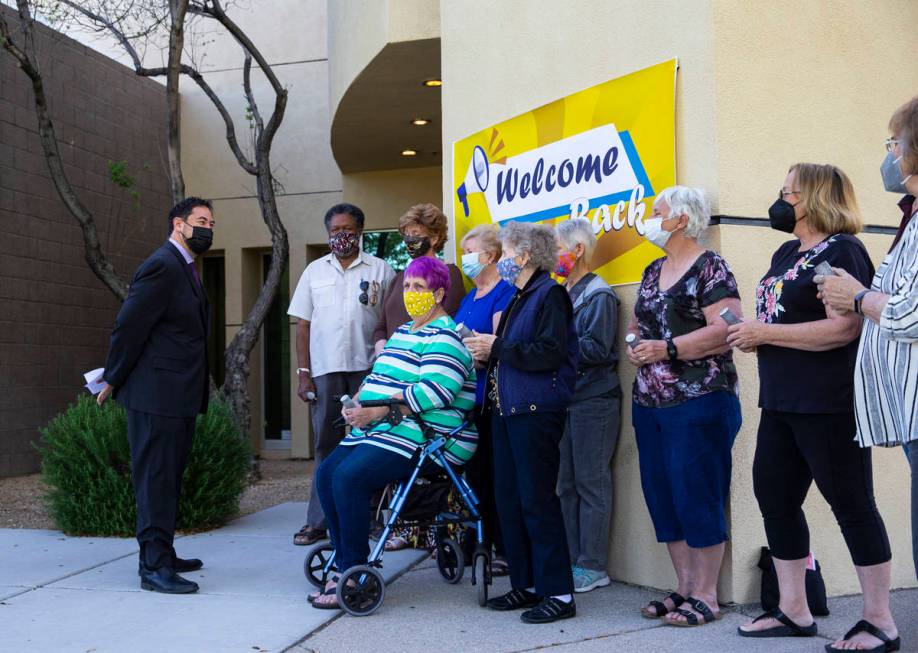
(340, 325)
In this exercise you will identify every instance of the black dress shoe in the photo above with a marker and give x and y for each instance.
(181, 566)
(549, 610)
(166, 581)
(514, 600)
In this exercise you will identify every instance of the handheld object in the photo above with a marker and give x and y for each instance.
(347, 402)
(464, 331)
(311, 396)
(632, 340)
(729, 317)
(825, 270)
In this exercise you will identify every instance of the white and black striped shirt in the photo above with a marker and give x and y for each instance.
(886, 374)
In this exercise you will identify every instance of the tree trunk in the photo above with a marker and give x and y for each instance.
(173, 100)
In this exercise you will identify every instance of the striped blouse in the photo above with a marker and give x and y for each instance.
(886, 374)
(434, 371)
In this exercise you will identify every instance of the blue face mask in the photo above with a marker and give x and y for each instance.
(470, 265)
(508, 270)
(892, 175)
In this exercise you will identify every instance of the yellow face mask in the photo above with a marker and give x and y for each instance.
(419, 303)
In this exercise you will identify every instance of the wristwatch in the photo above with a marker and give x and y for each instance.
(671, 349)
(858, 300)
(302, 369)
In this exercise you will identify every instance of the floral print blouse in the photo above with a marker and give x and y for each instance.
(674, 312)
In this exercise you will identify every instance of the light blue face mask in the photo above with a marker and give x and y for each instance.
(471, 266)
(893, 181)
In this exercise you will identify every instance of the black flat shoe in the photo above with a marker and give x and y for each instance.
(864, 626)
(788, 629)
(166, 581)
(549, 610)
(514, 600)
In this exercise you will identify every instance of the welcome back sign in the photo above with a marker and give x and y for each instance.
(602, 154)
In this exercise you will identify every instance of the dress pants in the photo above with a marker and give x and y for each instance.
(526, 459)
(159, 452)
(325, 410)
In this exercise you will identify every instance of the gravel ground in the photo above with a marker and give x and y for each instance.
(21, 505)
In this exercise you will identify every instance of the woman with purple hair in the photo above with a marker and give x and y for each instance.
(425, 365)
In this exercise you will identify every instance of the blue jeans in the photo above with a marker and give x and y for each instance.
(346, 482)
(911, 452)
(686, 464)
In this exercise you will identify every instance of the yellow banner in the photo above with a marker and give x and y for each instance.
(602, 153)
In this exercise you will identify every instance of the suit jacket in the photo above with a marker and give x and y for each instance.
(157, 358)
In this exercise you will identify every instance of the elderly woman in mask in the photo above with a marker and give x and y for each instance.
(425, 365)
(480, 312)
(685, 408)
(532, 366)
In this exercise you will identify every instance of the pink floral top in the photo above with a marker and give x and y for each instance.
(674, 312)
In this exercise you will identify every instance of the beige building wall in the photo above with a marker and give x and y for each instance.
(385, 195)
(751, 99)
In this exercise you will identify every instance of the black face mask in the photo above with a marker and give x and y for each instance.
(416, 245)
(782, 217)
(201, 239)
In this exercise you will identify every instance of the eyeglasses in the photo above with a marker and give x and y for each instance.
(784, 193)
(891, 144)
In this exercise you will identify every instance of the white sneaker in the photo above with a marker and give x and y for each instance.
(586, 580)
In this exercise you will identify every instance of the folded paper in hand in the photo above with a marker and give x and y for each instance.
(94, 382)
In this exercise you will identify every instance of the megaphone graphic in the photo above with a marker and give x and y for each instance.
(476, 178)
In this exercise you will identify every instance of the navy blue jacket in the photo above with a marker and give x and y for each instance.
(157, 358)
(534, 357)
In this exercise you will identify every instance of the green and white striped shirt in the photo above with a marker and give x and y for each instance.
(435, 373)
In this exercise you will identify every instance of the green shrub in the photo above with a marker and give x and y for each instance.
(86, 463)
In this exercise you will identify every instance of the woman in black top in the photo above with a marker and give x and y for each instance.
(806, 356)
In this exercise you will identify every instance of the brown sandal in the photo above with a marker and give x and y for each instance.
(309, 535)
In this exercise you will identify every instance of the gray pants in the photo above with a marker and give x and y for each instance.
(585, 478)
(911, 451)
(325, 410)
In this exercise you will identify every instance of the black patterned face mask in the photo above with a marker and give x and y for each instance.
(416, 245)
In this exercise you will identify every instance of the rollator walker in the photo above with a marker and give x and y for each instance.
(361, 589)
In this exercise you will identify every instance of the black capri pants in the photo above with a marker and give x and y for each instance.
(792, 451)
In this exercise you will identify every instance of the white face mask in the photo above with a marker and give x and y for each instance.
(653, 231)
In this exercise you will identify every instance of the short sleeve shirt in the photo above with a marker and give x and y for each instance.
(341, 324)
(677, 311)
(478, 315)
(793, 380)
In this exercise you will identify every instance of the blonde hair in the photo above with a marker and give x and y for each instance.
(827, 198)
(487, 236)
(431, 218)
(904, 126)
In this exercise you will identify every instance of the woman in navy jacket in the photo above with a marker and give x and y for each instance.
(532, 363)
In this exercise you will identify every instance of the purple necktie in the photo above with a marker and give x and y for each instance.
(194, 271)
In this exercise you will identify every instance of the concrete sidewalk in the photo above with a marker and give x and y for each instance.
(423, 613)
(62, 594)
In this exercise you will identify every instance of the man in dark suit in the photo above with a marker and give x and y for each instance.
(157, 369)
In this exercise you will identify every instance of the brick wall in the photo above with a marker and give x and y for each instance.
(55, 315)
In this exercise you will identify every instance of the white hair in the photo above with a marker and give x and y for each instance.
(577, 231)
(690, 202)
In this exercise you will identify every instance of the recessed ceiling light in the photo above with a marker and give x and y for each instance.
(420, 122)
(409, 153)
(433, 83)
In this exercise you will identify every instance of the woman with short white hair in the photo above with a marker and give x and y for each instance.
(685, 408)
(592, 421)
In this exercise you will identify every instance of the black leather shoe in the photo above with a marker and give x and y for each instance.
(166, 581)
(181, 566)
(549, 610)
(514, 600)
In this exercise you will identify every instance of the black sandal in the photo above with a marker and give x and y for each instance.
(326, 606)
(499, 567)
(313, 596)
(789, 629)
(691, 619)
(660, 609)
(864, 626)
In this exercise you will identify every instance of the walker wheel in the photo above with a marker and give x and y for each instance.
(481, 577)
(360, 590)
(450, 561)
(316, 562)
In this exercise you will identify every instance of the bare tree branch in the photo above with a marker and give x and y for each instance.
(27, 62)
